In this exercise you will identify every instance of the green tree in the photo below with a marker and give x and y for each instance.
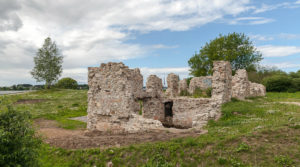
(67, 83)
(234, 47)
(48, 63)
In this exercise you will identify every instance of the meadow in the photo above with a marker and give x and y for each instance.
(257, 132)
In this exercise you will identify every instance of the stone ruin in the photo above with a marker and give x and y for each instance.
(117, 102)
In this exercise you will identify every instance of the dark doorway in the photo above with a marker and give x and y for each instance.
(168, 122)
(168, 109)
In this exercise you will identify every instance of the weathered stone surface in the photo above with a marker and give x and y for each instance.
(115, 93)
(201, 83)
(190, 112)
(153, 107)
(183, 86)
(221, 82)
(173, 85)
(257, 90)
(240, 85)
(154, 86)
(112, 102)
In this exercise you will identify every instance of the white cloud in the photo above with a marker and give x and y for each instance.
(282, 65)
(266, 7)
(162, 46)
(251, 20)
(289, 36)
(92, 32)
(9, 19)
(261, 37)
(278, 51)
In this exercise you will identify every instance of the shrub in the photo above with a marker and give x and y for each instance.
(278, 83)
(184, 93)
(18, 144)
(188, 81)
(208, 92)
(67, 83)
(296, 83)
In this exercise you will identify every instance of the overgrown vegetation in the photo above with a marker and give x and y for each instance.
(198, 93)
(19, 146)
(256, 132)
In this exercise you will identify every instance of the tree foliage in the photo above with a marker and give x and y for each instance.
(48, 63)
(234, 47)
(18, 144)
(67, 83)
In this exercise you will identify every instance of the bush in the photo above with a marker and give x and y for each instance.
(296, 83)
(278, 83)
(184, 93)
(18, 144)
(208, 92)
(67, 83)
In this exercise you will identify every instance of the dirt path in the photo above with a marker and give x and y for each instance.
(295, 103)
(80, 139)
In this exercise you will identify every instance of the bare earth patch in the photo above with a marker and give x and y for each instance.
(29, 101)
(295, 103)
(81, 139)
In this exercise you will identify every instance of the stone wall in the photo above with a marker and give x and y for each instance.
(240, 85)
(191, 112)
(116, 98)
(202, 83)
(221, 82)
(173, 85)
(112, 98)
(153, 106)
(243, 88)
(257, 90)
(183, 86)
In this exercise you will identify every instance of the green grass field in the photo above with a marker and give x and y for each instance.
(257, 132)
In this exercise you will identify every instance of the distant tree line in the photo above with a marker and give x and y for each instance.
(21, 87)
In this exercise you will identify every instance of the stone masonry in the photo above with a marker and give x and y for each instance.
(183, 86)
(172, 81)
(240, 85)
(243, 88)
(200, 82)
(221, 81)
(116, 99)
(112, 104)
(153, 106)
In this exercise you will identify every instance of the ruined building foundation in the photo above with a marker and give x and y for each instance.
(117, 102)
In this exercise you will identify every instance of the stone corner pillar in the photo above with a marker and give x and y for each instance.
(221, 81)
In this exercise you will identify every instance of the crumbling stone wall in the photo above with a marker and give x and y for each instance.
(115, 93)
(183, 86)
(257, 90)
(195, 112)
(221, 82)
(172, 81)
(153, 106)
(243, 88)
(202, 83)
(191, 112)
(112, 99)
(240, 85)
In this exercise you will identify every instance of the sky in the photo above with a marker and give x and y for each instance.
(157, 36)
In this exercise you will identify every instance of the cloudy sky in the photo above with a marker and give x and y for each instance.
(157, 36)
